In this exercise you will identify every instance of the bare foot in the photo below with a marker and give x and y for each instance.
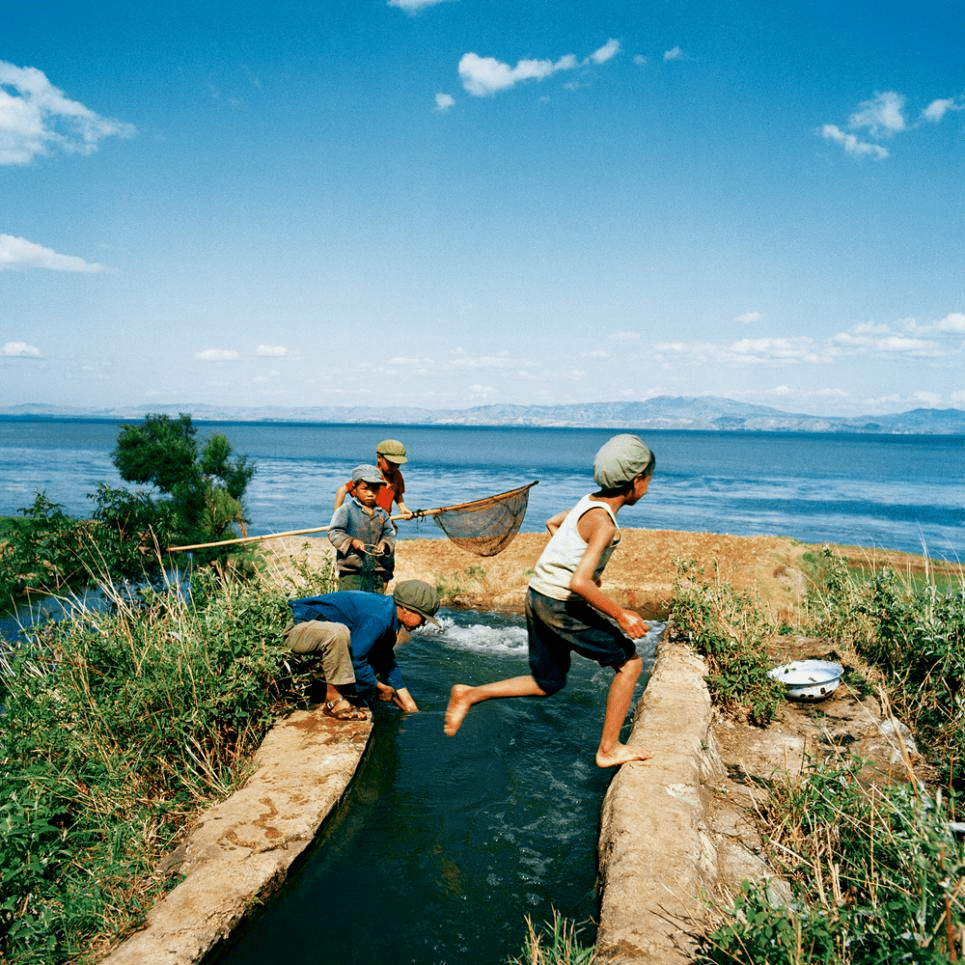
(458, 708)
(620, 754)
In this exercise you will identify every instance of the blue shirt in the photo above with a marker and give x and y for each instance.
(373, 624)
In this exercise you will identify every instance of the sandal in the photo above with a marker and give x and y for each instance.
(351, 713)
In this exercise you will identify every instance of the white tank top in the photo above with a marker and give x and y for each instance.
(559, 560)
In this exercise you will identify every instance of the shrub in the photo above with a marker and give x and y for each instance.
(556, 944)
(118, 727)
(914, 633)
(732, 633)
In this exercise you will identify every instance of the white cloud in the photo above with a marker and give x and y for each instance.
(675, 53)
(607, 52)
(755, 351)
(639, 59)
(444, 101)
(20, 350)
(216, 355)
(872, 338)
(486, 75)
(271, 351)
(483, 76)
(19, 253)
(937, 109)
(624, 336)
(930, 400)
(748, 317)
(414, 6)
(955, 322)
(881, 116)
(36, 118)
(851, 144)
(503, 361)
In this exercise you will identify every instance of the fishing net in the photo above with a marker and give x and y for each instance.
(486, 526)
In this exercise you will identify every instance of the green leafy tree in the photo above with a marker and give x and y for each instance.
(203, 487)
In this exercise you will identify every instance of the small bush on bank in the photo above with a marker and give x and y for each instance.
(914, 633)
(557, 943)
(732, 633)
(118, 728)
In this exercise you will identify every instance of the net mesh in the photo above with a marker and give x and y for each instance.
(487, 526)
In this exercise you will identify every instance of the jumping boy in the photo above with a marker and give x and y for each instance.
(566, 610)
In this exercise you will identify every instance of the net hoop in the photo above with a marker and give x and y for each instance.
(484, 526)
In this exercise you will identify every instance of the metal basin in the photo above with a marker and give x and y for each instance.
(808, 679)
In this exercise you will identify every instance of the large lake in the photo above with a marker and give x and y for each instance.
(894, 492)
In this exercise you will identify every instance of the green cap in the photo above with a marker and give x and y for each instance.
(619, 460)
(419, 597)
(393, 450)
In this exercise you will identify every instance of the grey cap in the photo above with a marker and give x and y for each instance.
(393, 450)
(619, 460)
(367, 474)
(419, 597)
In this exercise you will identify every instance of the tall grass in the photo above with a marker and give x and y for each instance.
(556, 943)
(118, 728)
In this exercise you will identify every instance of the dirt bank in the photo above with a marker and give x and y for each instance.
(640, 573)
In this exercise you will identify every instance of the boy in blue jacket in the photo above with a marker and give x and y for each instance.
(360, 631)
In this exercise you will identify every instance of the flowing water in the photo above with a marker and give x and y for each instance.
(445, 844)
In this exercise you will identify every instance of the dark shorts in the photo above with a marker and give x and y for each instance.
(559, 628)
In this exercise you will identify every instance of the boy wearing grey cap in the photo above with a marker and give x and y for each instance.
(363, 536)
(567, 612)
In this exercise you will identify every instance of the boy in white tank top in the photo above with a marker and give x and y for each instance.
(566, 611)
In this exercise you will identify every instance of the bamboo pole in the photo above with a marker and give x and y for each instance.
(417, 514)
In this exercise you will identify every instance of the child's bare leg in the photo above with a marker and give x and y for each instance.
(462, 697)
(611, 752)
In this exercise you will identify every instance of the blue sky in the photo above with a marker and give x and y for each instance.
(462, 202)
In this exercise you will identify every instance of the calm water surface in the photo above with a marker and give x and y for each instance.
(895, 492)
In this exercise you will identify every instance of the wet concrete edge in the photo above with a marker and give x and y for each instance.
(657, 857)
(240, 852)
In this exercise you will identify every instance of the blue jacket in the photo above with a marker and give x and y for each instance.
(373, 624)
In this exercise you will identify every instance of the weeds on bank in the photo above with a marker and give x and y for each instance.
(913, 632)
(877, 872)
(556, 944)
(876, 875)
(118, 728)
(733, 634)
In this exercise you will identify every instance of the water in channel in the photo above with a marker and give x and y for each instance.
(443, 845)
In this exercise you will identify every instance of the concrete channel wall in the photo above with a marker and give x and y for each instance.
(241, 850)
(655, 854)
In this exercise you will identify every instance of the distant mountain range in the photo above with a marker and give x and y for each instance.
(663, 412)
